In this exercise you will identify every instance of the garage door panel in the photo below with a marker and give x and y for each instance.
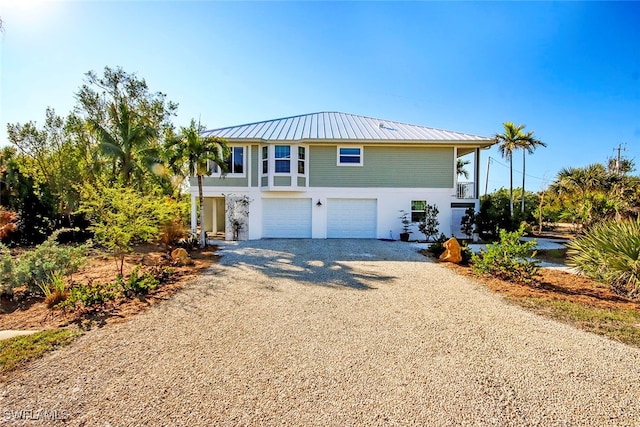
(352, 218)
(286, 218)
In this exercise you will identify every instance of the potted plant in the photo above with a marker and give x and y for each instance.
(404, 218)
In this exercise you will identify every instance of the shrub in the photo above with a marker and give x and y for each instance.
(6, 271)
(54, 290)
(122, 216)
(189, 242)
(467, 222)
(429, 225)
(172, 232)
(136, 284)
(610, 253)
(89, 296)
(508, 259)
(45, 261)
(465, 253)
(437, 247)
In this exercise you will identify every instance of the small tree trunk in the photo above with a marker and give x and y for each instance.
(203, 237)
(524, 152)
(540, 213)
(511, 186)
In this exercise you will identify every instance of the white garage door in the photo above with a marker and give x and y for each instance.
(352, 218)
(287, 218)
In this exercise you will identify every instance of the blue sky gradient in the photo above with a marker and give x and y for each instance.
(570, 71)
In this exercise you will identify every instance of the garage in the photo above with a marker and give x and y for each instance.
(286, 218)
(352, 218)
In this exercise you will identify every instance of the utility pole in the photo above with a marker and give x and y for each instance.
(619, 158)
(486, 180)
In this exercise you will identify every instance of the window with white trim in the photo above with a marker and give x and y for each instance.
(265, 160)
(417, 210)
(301, 160)
(235, 162)
(349, 156)
(283, 158)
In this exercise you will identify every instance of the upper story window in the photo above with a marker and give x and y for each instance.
(283, 158)
(265, 159)
(417, 210)
(301, 160)
(349, 156)
(235, 162)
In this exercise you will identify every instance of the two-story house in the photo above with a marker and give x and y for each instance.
(337, 175)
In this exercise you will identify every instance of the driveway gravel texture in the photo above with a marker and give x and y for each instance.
(331, 332)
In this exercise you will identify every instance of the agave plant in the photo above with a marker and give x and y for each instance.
(610, 253)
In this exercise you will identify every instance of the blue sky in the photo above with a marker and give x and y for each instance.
(570, 71)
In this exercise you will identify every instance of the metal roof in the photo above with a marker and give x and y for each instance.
(341, 126)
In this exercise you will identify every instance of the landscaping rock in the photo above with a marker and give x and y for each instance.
(181, 257)
(451, 251)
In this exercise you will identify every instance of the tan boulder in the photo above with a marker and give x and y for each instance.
(451, 251)
(181, 256)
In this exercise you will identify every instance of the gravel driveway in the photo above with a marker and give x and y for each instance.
(335, 332)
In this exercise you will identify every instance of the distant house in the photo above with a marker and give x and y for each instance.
(337, 175)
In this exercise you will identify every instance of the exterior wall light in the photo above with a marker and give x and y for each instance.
(319, 203)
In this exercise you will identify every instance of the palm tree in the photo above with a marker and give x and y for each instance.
(527, 144)
(460, 167)
(508, 142)
(128, 141)
(512, 139)
(197, 151)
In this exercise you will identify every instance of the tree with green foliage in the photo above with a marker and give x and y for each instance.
(51, 158)
(512, 139)
(122, 216)
(494, 212)
(588, 195)
(32, 200)
(197, 151)
(461, 167)
(429, 224)
(128, 122)
(467, 222)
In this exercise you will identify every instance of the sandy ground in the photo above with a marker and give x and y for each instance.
(336, 332)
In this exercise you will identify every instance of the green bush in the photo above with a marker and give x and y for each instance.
(6, 271)
(54, 290)
(437, 247)
(40, 264)
(509, 259)
(429, 224)
(465, 253)
(610, 253)
(136, 284)
(89, 296)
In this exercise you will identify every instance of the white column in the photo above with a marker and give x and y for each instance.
(455, 172)
(194, 215)
(476, 173)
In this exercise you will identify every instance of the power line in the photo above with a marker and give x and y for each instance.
(518, 171)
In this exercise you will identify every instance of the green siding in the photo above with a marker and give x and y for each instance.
(282, 181)
(302, 181)
(254, 165)
(264, 181)
(403, 167)
(210, 181)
